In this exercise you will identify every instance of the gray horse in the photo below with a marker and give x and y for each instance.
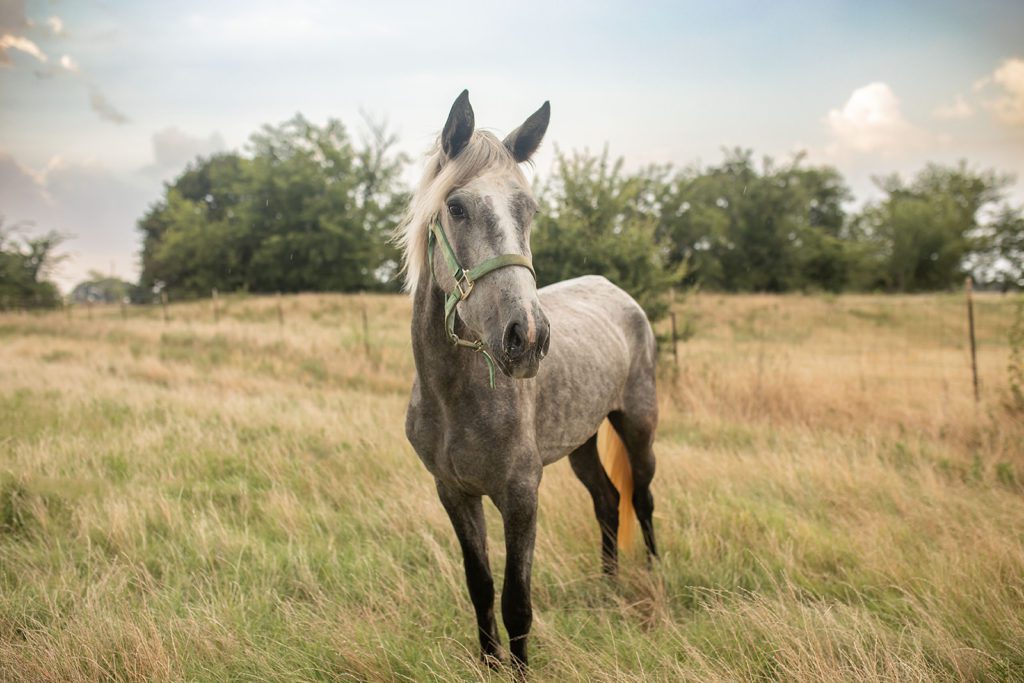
(570, 355)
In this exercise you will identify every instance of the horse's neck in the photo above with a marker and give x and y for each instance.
(438, 362)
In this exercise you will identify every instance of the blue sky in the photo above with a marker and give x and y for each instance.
(102, 101)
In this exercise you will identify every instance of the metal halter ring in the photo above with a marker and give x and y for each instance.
(464, 287)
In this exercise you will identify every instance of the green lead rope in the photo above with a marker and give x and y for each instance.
(464, 281)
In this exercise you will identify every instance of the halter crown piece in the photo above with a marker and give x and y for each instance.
(464, 281)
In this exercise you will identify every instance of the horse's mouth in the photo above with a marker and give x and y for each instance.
(524, 368)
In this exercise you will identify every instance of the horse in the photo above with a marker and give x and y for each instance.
(574, 357)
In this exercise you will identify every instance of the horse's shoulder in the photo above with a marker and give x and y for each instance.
(414, 415)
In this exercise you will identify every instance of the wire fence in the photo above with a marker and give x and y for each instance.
(951, 342)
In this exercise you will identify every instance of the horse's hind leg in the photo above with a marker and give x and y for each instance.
(637, 431)
(587, 465)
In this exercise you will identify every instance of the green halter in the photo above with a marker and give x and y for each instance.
(464, 281)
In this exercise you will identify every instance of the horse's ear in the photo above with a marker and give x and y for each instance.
(525, 139)
(459, 127)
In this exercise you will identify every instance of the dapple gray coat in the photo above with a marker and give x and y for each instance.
(569, 355)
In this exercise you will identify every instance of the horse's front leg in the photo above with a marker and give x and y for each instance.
(467, 515)
(518, 507)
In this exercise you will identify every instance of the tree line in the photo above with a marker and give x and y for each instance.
(308, 208)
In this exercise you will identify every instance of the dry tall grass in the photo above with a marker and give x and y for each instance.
(201, 501)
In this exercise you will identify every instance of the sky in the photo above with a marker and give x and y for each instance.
(101, 102)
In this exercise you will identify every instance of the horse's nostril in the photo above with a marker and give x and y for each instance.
(515, 341)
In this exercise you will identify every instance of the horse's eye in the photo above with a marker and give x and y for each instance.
(456, 210)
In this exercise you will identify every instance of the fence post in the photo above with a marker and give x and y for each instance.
(970, 326)
(675, 346)
(124, 310)
(163, 303)
(280, 311)
(216, 313)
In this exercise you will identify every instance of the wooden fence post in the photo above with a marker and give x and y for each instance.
(675, 346)
(970, 326)
(280, 311)
(163, 303)
(216, 313)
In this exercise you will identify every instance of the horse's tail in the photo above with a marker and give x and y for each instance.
(615, 459)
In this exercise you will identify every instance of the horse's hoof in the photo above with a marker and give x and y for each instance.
(519, 669)
(494, 660)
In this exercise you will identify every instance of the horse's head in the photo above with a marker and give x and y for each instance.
(484, 209)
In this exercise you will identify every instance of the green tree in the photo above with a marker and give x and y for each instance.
(772, 228)
(596, 219)
(103, 288)
(923, 232)
(999, 257)
(305, 209)
(26, 264)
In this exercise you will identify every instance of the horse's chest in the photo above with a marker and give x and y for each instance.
(476, 452)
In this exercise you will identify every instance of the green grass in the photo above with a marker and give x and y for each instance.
(236, 501)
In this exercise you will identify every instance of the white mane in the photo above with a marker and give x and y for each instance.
(442, 176)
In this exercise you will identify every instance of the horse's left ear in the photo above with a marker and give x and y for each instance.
(525, 139)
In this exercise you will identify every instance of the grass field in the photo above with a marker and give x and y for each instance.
(193, 500)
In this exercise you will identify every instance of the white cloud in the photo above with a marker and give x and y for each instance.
(1008, 104)
(102, 106)
(12, 42)
(13, 23)
(871, 121)
(958, 110)
(173, 149)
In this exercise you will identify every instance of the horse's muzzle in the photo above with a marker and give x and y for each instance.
(524, 343)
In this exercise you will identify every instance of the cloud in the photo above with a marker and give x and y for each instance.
(102, 106)
(14, 21)
(12, 42)
(21, 191)
(1008, 104)
(12, 15)
(958, 110)
(88, 202)
(95, 205)
(173, 149)
(871, 121)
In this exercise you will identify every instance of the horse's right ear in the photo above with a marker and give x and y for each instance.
(459, 127)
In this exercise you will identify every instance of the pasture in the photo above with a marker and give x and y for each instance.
(236, 500)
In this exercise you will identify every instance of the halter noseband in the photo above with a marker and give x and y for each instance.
(464, 281)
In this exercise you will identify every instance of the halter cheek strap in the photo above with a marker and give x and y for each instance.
(464, 281)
